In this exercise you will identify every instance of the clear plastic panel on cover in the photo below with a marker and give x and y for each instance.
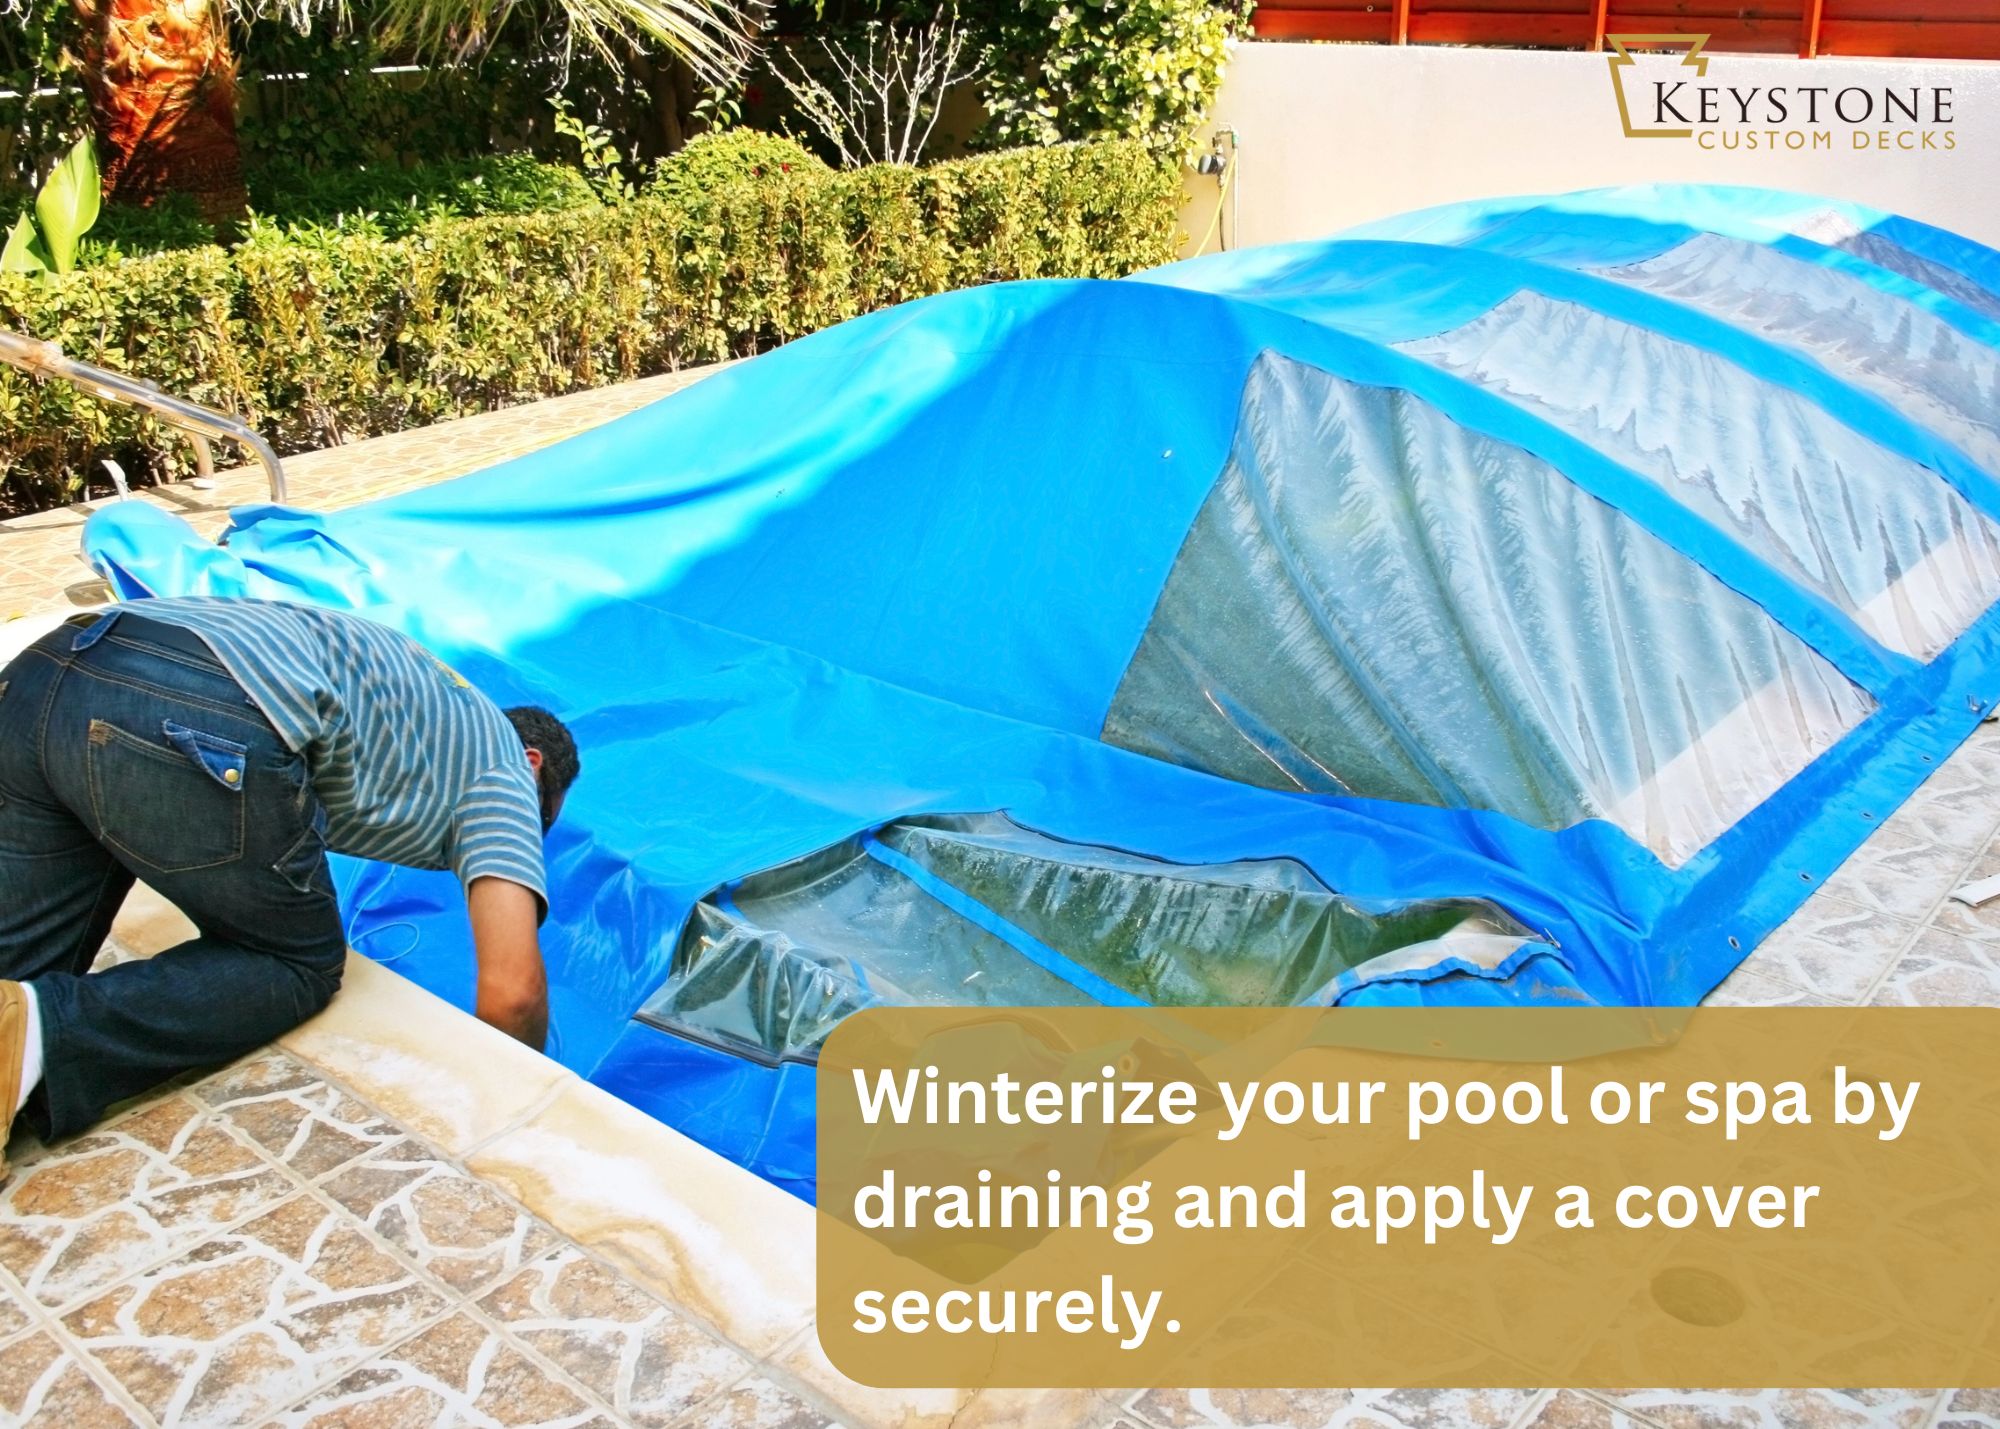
(1913, 359)
(974, 910)
(1377, 601)
(1836, 230)
(1879, 536)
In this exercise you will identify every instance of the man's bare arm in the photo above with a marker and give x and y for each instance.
(513, 992)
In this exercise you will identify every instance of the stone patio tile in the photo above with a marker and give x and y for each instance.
(1750, 986)
(81, 1215)
(1023, 1409)
(1832, 948)
(42, 1384)
(759, 1404)
(14, 1316)
(457, 1373)
(1267, 1407)
(1333, 1408)
(456, 1229)
(1570, 1409)
(252, 1319)
(1897, 873)
(310, 1125)
(1956, 807)
(1969, 1409)
(644, 1359)
(1942, 970)
(804, 1361)
(1982, 924)
(1790, 1408)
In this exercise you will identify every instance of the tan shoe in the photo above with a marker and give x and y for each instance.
(13, 1046)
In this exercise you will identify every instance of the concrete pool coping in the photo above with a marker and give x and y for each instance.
(711, 1238)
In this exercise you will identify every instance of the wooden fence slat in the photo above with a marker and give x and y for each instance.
(1750, 36)
(1910, 39)
(1460, 27)
(1929, 12)
(1940, 29)
(1301, 23)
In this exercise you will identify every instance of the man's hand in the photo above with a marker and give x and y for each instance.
(513, 990)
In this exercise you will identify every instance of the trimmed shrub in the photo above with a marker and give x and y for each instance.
(397, 199)
(331, 335)
(726, 156)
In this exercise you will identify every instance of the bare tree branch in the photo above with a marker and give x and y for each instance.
(876, 96)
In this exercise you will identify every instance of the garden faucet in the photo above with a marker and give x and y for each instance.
(45, 359)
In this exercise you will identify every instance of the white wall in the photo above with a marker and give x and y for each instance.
(1334, 135)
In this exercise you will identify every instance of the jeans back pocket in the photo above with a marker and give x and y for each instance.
(168, 803)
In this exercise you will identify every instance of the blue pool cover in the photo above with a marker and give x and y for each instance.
(1524, 601)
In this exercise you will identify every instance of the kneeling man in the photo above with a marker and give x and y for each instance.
(219, 749)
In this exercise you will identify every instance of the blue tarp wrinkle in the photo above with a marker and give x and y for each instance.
(1524, 601)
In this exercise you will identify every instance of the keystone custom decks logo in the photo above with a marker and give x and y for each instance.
(1664, 92)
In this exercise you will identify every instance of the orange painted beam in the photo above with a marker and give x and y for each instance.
(1462, 27)
(1911, 39)
(1289, 23)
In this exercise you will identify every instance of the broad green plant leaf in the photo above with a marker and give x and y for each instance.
(23, 253)
(67, 205)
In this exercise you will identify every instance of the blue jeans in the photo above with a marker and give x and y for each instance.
(127, 750)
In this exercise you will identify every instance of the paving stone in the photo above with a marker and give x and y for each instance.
(308, 1124)
(1752, 987)
(1333, 1408)
(42, 1384)
(1830, 948)
(1942, 970)
(647, 1361)
(252, 1319)
(1790, 1408)
(457, 1229)
(759, 1404)
(81, 1215)
(458, 1372)
(1969, 1409)
(1570, 1409)
(1898, 873)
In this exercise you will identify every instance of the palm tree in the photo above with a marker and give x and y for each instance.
(161, 79)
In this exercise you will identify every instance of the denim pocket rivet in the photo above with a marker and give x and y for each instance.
(231, 776)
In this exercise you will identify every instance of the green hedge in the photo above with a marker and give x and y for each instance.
(339, 336)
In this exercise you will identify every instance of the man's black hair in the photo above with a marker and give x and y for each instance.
(543, 731)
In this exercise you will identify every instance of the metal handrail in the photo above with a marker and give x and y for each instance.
(45, 359)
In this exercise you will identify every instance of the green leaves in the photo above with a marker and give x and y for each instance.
(744, 242)
(65, 209)
(711, 35)
(1141, 69)
(68, 203)
(24, 252)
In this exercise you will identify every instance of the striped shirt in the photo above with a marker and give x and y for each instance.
(414, 766)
